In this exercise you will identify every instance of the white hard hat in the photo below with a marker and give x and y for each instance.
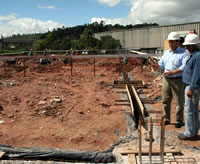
(173, 36)
(191, 39)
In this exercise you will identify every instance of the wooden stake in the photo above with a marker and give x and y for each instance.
(4, 63)
(94, 66)
(24, 67)
(71, 67)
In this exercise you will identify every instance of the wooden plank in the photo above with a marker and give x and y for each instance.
(142, 92)
(171, 158)
(180, 159)
(124, 92)
(120, 104)
(138, 100)
(147, 101)
(1, 154)
(140, 86)
(141, 106)
(121, 100)
(131, 159)
(155, 121)
(130, 82)
(154, 111)
(120, 87)
(123, 85)
(125, 151)
(130, 99)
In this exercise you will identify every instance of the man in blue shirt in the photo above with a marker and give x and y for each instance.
(191, 78)
(172, 63)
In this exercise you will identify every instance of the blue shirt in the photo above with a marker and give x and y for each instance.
(174, 60)
(191, 73)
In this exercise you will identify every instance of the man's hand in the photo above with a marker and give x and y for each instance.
(169, 73)
(190, 93)
(172, 72)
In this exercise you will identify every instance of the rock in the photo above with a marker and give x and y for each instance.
(8, 83)
(55, 100)
(41, 128)
(44, 98)
(11, 116)
(81, 112)
(42, 102)
(102, 75)
(104, 105)
(16, 110)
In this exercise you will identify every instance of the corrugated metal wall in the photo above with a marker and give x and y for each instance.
(148, 38)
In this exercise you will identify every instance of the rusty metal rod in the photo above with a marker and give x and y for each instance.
(151, 140)
(140, 142)
(162, 140)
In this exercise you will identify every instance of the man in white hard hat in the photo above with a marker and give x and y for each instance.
(191, 78)
(172, 63)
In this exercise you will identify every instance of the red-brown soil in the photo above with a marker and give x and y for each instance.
(51, 108)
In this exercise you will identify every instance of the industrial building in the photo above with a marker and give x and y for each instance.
(150, 39)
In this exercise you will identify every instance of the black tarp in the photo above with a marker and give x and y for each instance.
(56, 154)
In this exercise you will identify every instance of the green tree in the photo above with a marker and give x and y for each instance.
(39, 45)
(108, 42)
(87, 40)
(65, 44)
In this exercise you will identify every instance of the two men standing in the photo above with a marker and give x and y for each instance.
(181, 74)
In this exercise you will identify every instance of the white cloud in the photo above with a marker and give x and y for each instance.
(162, 12)
(110, 3)
(10, 25)
(46, 7)
(7, 17)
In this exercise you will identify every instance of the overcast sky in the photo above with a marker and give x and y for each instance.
(38, 16)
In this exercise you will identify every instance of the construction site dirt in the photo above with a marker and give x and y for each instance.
(49, 107)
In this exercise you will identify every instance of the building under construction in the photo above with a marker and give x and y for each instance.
(150, 39)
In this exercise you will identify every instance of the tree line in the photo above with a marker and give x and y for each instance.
(79, 37)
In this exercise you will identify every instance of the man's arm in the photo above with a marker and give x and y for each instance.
(172, 72)
(195, 78)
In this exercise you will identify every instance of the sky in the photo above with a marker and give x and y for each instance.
(40, 16)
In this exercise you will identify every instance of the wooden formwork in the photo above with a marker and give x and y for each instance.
(151, 155)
